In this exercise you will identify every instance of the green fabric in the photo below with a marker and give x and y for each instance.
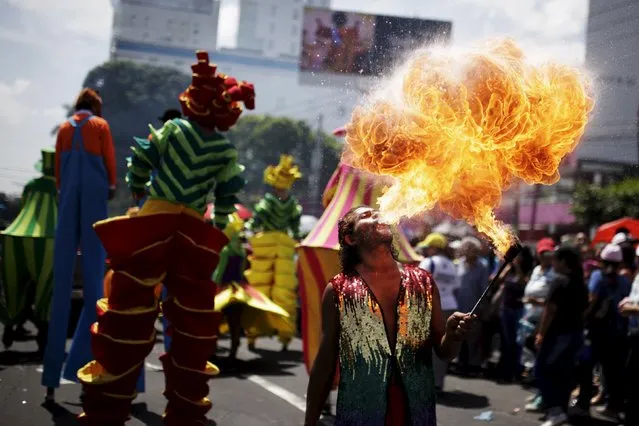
(273, 214)
(189, 166)
(46, 165)
(233, 248)
(39, 213)
(27, 273)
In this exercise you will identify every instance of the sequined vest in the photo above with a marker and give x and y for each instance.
(365, 356)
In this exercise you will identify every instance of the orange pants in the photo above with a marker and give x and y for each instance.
(169, 244)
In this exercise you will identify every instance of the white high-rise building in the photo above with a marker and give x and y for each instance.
(156, 31)
(612, 56)
(273, 27)
(161, 31)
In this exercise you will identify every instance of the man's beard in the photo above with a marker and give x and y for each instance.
(373, 240)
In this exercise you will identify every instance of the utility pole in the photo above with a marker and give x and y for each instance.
(516, 207)
(637, 131)
(317, 158)
(533, 213)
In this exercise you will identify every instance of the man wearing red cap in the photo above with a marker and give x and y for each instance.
(535, 295)
(168, 241)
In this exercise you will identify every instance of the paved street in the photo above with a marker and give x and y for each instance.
(267, 388)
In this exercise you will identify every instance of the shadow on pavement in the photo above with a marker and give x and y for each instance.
(60, 415)
(591, 421)
(461, 399)
(142, 413)
(260, 366)
(10, 358)
(289, 355)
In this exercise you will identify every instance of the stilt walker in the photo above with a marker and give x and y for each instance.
(27, 269)
(277, 221)
(85, 175)
(243, 306)
(168, 242)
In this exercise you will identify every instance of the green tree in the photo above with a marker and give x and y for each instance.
(9, 208)
(261, 140)
(135, 95)
(593, 205)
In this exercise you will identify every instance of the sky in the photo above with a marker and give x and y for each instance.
(47, 47)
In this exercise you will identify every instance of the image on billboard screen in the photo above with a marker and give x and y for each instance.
(357, 43)
(338, 42)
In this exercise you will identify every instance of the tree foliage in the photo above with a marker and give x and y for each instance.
(9, 208)
(593, 205)
(261, 140)
(135, 95)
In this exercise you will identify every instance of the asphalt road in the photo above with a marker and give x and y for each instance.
(267, 388)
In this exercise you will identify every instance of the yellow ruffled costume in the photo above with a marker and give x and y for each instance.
(233, 290)
(272, 266)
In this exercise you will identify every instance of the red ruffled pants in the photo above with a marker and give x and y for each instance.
(180, 251)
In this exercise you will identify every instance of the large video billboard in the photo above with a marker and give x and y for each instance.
(358, 43)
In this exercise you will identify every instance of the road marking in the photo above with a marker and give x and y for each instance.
(290, 397)
(63, 381)
(153, 367)
(149, 367)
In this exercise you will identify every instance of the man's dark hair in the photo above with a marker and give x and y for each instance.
(622, 230)
(170, 114)
(349, 255)
(573, 261)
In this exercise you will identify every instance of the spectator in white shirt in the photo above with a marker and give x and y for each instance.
(444, 273)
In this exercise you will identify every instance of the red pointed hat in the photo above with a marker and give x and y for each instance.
(213, 99)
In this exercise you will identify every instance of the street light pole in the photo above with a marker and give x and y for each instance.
(317, 158)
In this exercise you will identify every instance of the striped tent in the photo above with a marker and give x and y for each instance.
(318, 258)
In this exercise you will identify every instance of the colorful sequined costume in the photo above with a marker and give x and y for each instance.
(276, 220)
(168, 241)
(86, 178)
(27, 267)
(318, 259)
(235, 293)
(366, 360)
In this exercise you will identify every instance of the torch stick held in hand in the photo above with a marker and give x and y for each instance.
(510, 255)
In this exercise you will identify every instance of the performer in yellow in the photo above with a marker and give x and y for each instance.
(277, 221)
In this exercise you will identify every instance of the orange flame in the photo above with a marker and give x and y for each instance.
(455, 129)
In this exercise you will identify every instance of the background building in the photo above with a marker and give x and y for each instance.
(163, 25)
(612, 56)
(272, 28)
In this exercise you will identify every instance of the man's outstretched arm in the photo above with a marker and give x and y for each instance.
(323, 371)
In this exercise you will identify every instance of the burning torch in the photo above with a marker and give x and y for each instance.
(510, 255)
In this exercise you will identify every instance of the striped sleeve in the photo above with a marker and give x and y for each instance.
(146, 157)
(229, 183)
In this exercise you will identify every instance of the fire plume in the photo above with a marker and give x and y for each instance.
(455, 129)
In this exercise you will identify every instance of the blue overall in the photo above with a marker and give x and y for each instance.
(84, 192)
(164, 296)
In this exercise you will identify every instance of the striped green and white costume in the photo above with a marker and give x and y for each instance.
(27, 267)
(188, 164)
(273, 214)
